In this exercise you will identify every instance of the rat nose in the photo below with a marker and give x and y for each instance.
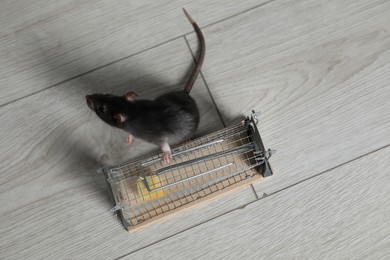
(90, 102)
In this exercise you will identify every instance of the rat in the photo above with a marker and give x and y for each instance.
(169, 119)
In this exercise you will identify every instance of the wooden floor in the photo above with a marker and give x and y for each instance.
(319, 72)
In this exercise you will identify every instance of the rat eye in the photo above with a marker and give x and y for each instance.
(103, 109)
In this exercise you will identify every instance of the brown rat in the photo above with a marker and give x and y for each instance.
(170, 118)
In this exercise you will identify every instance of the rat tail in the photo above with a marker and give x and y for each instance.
(201, 55)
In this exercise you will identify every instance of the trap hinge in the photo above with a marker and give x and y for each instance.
(255, 116)
(116, 208)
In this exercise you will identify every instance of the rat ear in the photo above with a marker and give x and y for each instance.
(120, 118)
(130, 96)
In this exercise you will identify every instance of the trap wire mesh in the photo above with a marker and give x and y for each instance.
(146, 188)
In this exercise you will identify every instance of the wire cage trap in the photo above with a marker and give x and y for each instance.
(146, 189)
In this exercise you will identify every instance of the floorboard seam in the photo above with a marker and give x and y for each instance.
(328, 170)
(264, 197)
(205, 82)
(241, 207)
(92, 70)
(131, 55)
(234, 15)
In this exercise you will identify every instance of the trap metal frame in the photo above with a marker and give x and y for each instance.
(146, 189)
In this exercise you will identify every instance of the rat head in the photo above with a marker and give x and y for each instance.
(110, 108)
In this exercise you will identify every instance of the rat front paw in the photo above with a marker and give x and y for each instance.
(130, 139)
(166, 157)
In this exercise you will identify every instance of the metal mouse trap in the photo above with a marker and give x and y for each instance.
(146, 189)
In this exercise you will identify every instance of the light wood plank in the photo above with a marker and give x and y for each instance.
(317, 70)
(45, 42)
(53, 204)
(341, 214)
